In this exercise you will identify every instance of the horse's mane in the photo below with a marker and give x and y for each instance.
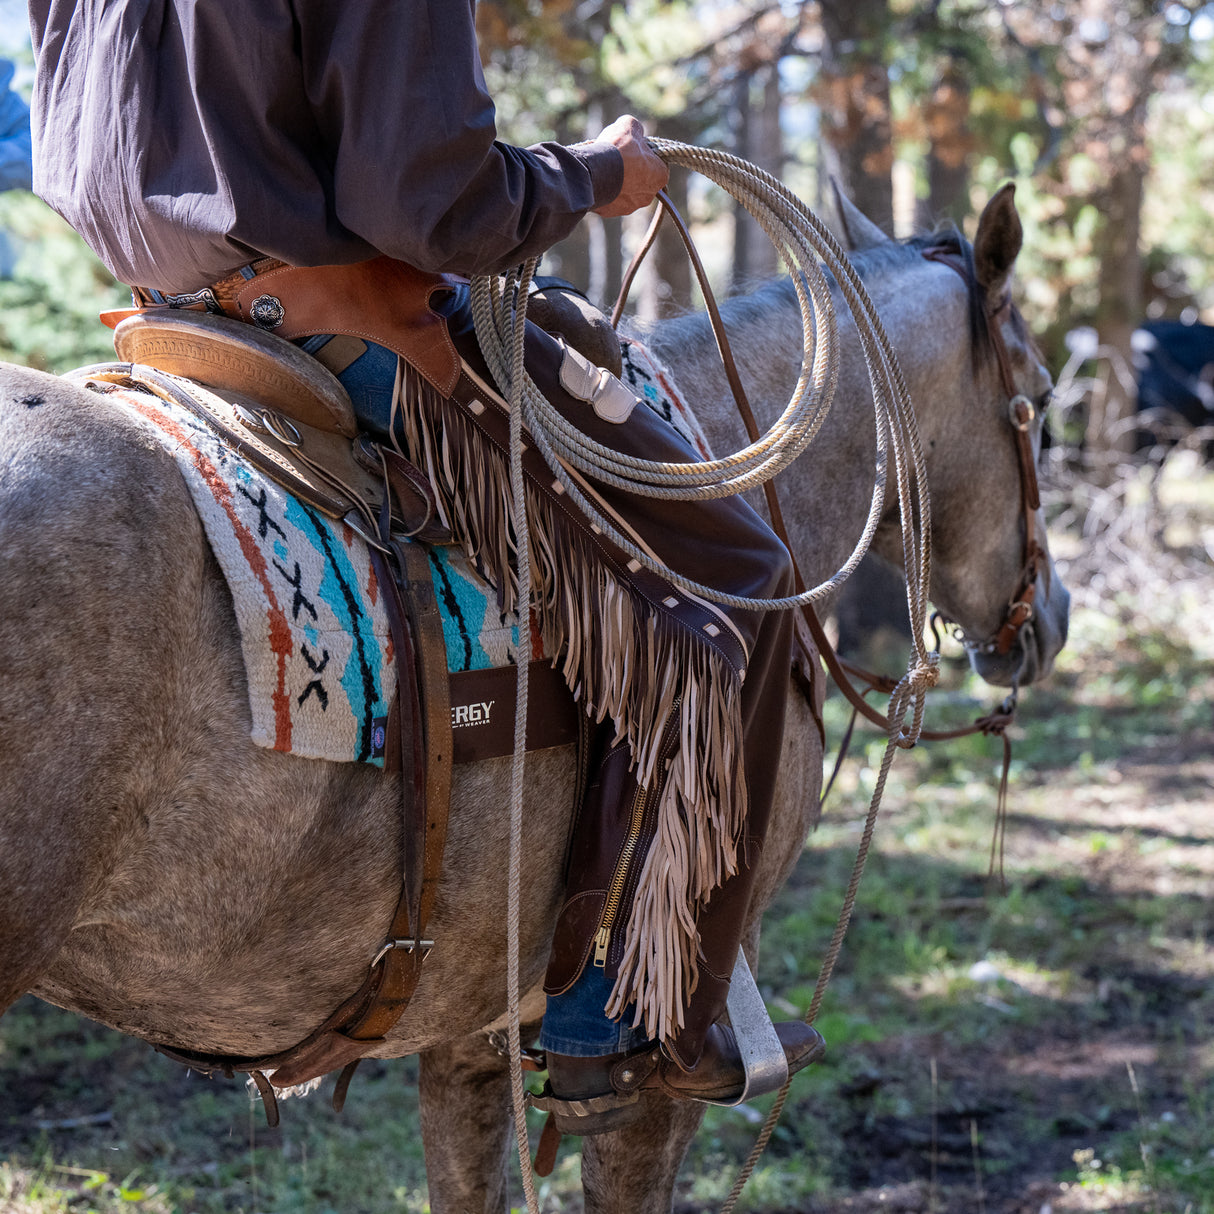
(880, 259)
(870, 264)
(756, 306)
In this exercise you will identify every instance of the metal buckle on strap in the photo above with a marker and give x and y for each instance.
(1021, 412)
(206, 297)
(405, 945)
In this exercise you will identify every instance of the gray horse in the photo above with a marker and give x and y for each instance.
(163, 875)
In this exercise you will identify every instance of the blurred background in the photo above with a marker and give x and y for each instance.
(1032, 1047)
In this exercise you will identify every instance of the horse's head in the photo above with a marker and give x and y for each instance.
(980, 405)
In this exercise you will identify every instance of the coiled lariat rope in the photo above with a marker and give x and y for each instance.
(806, 247)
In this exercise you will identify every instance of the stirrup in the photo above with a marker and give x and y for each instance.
(589, 1115)
(762, 1054)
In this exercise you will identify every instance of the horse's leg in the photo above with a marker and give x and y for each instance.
(467, 1130)
(633, 1170)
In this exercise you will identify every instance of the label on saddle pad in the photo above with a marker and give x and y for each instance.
(314, 636)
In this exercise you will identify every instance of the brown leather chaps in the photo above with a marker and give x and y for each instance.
(725, 544)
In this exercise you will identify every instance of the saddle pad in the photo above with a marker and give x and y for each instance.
(653, 384)
(314, 636)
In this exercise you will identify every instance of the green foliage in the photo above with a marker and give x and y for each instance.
(649, 52)
(48, 309)
(1180, 194)
(51, 1188)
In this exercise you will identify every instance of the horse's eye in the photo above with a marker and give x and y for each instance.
(1043, 401)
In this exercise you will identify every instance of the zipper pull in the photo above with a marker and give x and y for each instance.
(602, 938)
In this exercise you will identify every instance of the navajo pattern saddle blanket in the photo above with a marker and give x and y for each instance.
(315, 637)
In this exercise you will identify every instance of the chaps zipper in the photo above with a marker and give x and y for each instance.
(619, 879)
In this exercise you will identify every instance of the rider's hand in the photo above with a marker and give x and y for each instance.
(644, 172)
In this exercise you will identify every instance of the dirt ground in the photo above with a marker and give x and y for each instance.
(1129, 1063)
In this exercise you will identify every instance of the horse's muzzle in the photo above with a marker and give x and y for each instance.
(1037, 644)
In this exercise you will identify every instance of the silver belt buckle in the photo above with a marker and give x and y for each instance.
(206, 297)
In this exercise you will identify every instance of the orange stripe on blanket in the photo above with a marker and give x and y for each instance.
(280, 632)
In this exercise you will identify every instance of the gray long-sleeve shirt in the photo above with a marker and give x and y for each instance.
(185, 138)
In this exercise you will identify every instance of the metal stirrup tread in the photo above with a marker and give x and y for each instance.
(762, 1054)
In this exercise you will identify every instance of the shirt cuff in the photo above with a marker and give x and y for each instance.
(606, 168)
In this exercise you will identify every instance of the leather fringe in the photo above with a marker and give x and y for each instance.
(624, 662)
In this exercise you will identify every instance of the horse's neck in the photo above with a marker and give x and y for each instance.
(826, 494)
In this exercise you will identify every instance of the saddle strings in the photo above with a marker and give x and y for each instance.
(805, 245)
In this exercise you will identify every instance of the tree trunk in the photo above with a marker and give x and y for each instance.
(570, 258)
(667, 286)
(604, 236)
(853, 96)
(758, 139)
(1110, 428)
(950, 144)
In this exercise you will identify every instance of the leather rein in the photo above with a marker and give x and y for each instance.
(1021, 414)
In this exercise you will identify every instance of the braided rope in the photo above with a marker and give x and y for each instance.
(805, 245)
(513, 323)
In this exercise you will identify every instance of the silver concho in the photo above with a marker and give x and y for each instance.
(267, 312)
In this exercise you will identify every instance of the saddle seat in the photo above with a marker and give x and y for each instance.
(232, 356)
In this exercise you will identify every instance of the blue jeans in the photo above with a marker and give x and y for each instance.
(575, 1022)
(369, 380)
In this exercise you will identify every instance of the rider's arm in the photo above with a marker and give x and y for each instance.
(419, 173)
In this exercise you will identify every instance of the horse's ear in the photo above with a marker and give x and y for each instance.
(998, 242)
(859, 232)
